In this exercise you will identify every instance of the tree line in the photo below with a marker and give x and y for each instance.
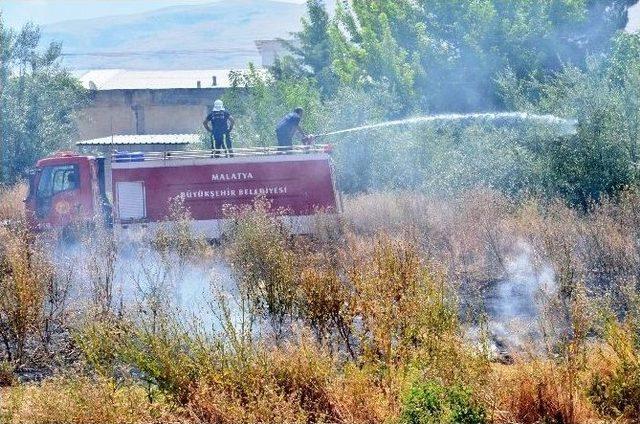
(388, 59)
(372, 61)
(39, 100)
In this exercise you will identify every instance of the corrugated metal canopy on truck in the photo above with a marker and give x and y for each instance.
(147, 139)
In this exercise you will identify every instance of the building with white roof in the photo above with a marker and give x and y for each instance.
(124, 79)
(148, 102)
(272, 50)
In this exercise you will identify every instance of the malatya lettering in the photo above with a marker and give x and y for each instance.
(234, 176)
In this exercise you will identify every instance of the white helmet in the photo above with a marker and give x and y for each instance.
(218, 105)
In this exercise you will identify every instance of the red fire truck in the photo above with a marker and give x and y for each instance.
(137, 189)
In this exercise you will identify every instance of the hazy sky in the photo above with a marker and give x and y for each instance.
(42, 12)
(17, 12)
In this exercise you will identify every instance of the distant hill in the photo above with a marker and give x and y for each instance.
(212, 36)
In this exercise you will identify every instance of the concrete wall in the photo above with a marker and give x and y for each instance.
(119, 112)
(270, 50)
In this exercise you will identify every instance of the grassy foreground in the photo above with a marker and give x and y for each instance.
(381, 317)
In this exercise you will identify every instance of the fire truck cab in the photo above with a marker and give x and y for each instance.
(63, 188)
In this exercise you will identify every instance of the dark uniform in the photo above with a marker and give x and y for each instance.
(286, 129)
(220, 129)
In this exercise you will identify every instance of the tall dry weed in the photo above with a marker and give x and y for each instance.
(614, 388)
(12, 209)
(33, 297)
(401, 306)
(177, 235)
(262, 254)
(74, 399)
(539, 391)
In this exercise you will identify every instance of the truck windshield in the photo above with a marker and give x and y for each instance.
(56, 179)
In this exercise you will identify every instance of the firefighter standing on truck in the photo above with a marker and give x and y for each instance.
(288, 127)
(219, 123)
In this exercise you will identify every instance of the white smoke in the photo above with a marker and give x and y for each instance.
(516, 303)
(135, 278)
(204, 293)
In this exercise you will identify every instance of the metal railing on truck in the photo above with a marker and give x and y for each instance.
(208, 154)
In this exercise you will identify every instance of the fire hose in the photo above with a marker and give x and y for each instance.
(311, 138)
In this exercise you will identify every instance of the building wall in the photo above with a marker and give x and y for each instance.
(270, 50)
(120, 112)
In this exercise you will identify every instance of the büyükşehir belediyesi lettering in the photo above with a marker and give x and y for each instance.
(208, 194)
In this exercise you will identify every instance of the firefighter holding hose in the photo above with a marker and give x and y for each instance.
(219, 123)
(288, 127)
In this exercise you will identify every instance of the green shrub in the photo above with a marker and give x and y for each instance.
(432, 402)
(261, 253)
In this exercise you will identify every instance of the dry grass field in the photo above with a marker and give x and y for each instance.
(381, 317)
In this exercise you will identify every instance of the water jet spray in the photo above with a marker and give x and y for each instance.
(568, 125)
